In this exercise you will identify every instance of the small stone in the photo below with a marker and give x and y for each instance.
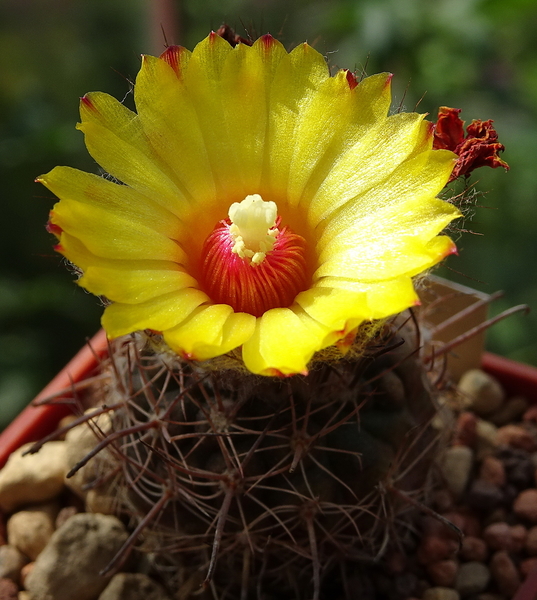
(510, 412)
(433, 548)
(493, 471)
(489, 596)
(474, 549)
(465, 430)
(527, 566)
(443, 572)
(24, 595)
(30, 530)
(79, 441)
(531, 541)
(69, 566)
(498, 536)
(9, 590)
(456, 467)
(65, 513)
(472, 578)
(519, 534)
(34, 477)
(525, 505)
(11, 562)
(487, 442)
(480, 392)
(26, 570)
(484, 495)
(441, 593)
(504, 573)
(133, 586)
(517, 436)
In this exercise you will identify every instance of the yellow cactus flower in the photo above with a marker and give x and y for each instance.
(258, 203)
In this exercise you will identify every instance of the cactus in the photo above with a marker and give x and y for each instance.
(245, 483)
(270, 417)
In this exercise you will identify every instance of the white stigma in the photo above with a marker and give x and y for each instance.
(253, 227)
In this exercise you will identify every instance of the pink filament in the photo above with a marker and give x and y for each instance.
(274, 283)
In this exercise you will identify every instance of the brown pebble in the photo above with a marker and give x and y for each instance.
(510, 412)
(493, 471)
(65, 513)
(519, 534)
(525, 505)
(531, 541)
(474, 548)
(25, 571)
(504, 573)
(517, 437)
(484, 495)
(465, 430)
(527, 566)
(498, 536)
(434, 548)
(443, 572)
(9, 590)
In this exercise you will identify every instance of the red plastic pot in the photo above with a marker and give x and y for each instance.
(36, 421)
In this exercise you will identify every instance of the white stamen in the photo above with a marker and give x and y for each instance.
(252, 228)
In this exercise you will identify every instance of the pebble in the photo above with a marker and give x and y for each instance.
(30, 530)
(79, 441)
(520, 535)
(504, 572)
(525, 505)
(37, 476)
(517, 436)
(133, 586)
(465, 430)
(474, 549)
(457, 466)
(433, 548)
(480, 392)
(484, 495)
(527, 566)
(511, 411)
(472, 578)
(498, 536)
(69, 565)
(11, 562)
(443, 572)
(493, 471)
(531, 541)
(441, 593)
(9, 590)
(487, 442)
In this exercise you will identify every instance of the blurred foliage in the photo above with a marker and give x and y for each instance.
(478, 55)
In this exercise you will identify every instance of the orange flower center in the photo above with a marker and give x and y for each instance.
(251, 264)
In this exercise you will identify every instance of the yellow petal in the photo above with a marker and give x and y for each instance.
(334, 307)
(159, 314)
(120, 200)
(115, 138)
(390, 242)
(334, 121)
(98, 229)
(210, 331)
(295, 84)
(382, 298)
(283, 343)
(170, 122)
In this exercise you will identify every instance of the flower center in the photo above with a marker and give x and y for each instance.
(252, 263)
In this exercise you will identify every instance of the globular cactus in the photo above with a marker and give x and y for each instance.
(263, 220)
(249, 483)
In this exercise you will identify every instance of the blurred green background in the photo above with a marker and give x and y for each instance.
(478, 55)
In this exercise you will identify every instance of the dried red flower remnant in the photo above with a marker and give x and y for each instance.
(479, 148)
